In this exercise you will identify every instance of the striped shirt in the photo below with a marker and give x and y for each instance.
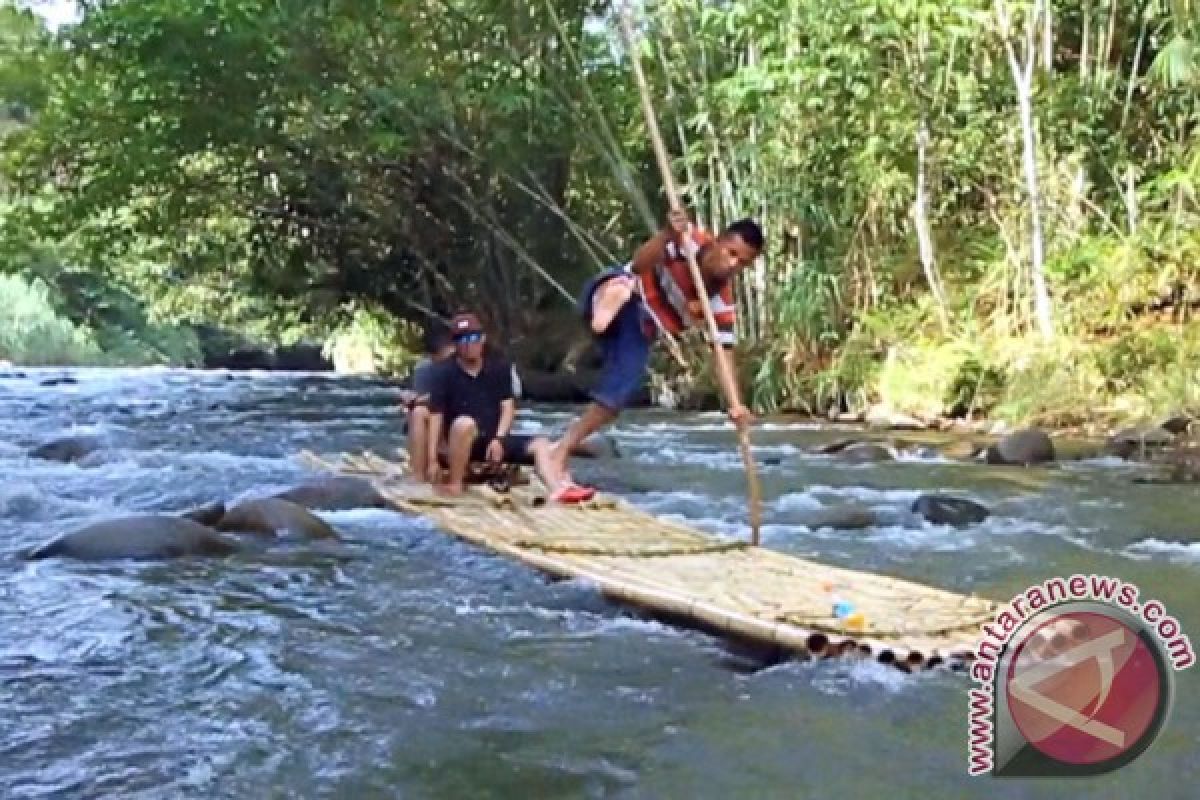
(670, 294)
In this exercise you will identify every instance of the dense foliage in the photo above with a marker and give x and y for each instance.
(979, 205)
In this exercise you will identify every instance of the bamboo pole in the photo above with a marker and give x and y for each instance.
(664, 165)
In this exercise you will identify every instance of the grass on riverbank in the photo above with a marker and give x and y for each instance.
(1143, 370)
(35, 332)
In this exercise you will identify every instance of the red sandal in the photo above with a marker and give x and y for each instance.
(572, 493)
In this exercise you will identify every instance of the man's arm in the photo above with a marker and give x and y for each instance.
(508, 411)
(647, 256)
(651, 252)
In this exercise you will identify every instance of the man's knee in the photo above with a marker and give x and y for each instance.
(463, 427)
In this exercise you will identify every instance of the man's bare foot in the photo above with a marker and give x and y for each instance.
(557, 465)
(449, 489)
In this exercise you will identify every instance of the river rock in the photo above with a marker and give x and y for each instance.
(845, 517)
(880, 418)
(271, 515)
(338, 493)
(836, 446)
(148, 536)
(597, 446)
(1177, 424)
(1139, 440)
(942, 509)
(208, 515)
(1023, 447)
(865, 453)
(67, 449)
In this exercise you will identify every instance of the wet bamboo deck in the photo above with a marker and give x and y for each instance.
(751, 593)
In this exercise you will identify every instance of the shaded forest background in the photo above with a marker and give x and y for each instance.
(982, 207)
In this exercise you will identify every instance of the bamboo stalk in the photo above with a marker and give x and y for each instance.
(698, 280)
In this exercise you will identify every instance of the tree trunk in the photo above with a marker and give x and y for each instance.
(1041, 297)
(924, 240)
(1023, 78)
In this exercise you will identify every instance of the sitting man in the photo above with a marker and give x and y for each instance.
(415, 400)
(472, 401)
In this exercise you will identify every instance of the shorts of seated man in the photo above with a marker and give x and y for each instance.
(516, 450)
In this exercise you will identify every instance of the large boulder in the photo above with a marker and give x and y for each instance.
(1022, 448)
(338, 493)
(271, 516)
(140, 537)
(843, 517)
(207, 515)
(67, 448)
(864, 453)
(836, 446)
(941, 509)
(1177, 423)
(1139, 441)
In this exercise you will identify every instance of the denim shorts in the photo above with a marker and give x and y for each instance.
(625, 347)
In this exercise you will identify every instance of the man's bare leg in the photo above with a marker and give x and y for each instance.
(418, 441)
(554, 470)
(460, 438)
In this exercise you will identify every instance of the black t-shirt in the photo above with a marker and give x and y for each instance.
(455, 393)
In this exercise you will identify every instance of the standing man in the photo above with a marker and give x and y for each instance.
(625, 307)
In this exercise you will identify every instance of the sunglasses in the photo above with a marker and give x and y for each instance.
(468, 338)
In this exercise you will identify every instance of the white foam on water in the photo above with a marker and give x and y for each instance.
(374, 517)
(908, 457)
(928, 537)
(523, 610)
(690, 457)
(215, 459)
(841, 678)
(1099, 462)
(660, 499)
(797, 501)
(1146, 549)
(621, 625)
(876, 498)
(21, 499)
(27, 500)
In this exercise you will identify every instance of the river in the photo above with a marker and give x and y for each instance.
(402, 663)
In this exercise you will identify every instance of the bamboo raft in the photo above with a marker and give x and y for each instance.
(726, 586)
